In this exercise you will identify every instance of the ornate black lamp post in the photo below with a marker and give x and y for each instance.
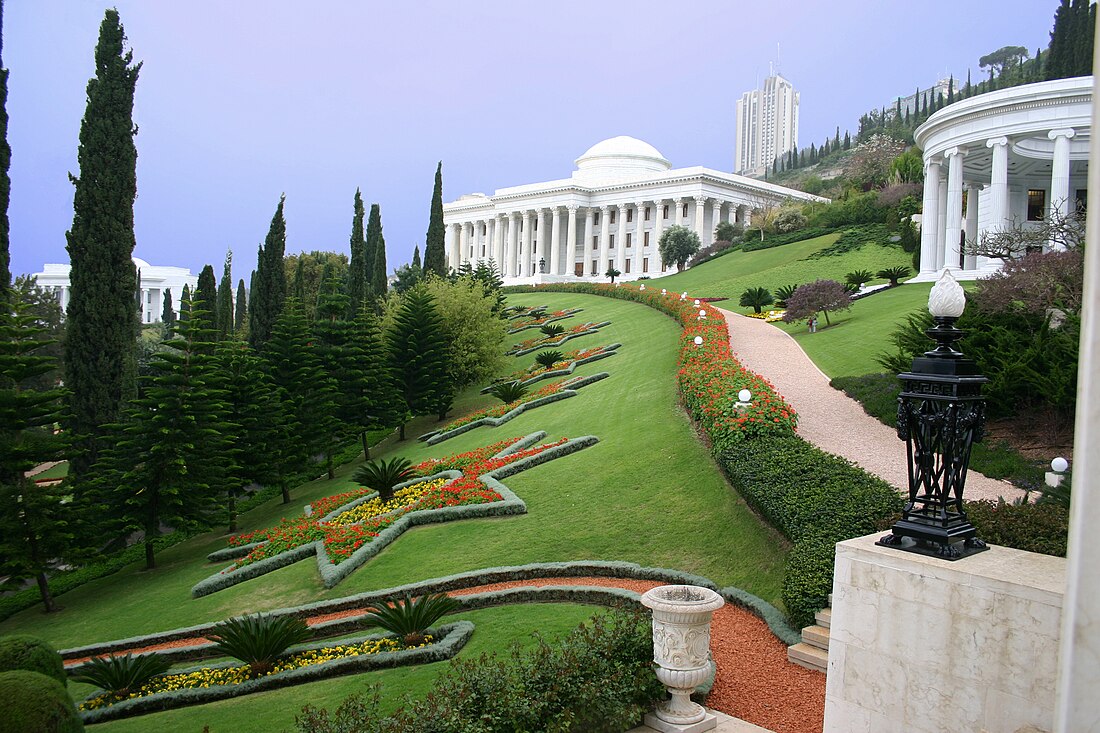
(941, 414)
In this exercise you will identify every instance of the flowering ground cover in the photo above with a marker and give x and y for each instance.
(347, 529)
(569, 360)
(541, 318)
(542, 342)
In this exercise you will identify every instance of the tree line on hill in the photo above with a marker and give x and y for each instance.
(170, 426)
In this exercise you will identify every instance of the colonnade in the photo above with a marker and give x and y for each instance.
(553, 240)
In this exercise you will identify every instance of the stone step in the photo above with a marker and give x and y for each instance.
(824, 617)
(809, 657)
(816, 636)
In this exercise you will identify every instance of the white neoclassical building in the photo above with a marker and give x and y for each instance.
(1000, 159)
(155, 282)
(610, 212)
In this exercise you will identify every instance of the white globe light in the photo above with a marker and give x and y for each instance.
(947, 298)
(642, 287)
(696, 301)
(703, 312)
(698, 340)
(744, 395)
(664, 292)
(1059, 465)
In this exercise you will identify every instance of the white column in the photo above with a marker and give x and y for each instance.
(953, 215)
(540, 250)
(929, 217)
(512, 256)
(731, 216)
(620, 239)
(639, 238)
(715, 218)
(605, 230)
(972, 189)
(700, 212)
(571, 242)
(456, 246)
(555, 241)
(527, 260)
(941, 221)
(589, 215)
(658, 229)
(1077, 704)
(466, 247)
(1059, 173)
(677, 207)
(487, 242)
(498, 242)
(998, 186)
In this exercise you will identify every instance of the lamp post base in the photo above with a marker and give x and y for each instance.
(934, 548)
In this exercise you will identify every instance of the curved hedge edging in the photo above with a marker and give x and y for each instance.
(592, 328)
(331, 573)
(569, 313)
(439, 436)
(454, 637)
(766, 612)
(565, 371)
(528, 312)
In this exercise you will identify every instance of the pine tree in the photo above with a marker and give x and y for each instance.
(374, 382)
(168, 313)
(968, 90)
(951, 89)
(298, 284)
(847, 141)
(101, 323)
(1037, 73)
(836, 139)
(337, 351)
(357, 269)
(435, 257)
(241, 315)
(225, 299)
(268, 292)
(416, 258)
(5, 164)
(418, 356)
(376, 246)
(33, 519)
(924, 107)
(174, 457)
(205, 299)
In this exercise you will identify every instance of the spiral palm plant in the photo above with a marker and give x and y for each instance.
(783, 293)
(552, 329)
(756, 298)
(508, 392)
(893, 274)
(859, 277)
(410, 618)
(121, 675)
(548, 358)
(259, 639)
(381, 475)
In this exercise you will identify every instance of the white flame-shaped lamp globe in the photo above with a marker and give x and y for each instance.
(947, 299)
(699, 342)
(1059, 465)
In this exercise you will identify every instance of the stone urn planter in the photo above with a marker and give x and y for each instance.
(681, 646)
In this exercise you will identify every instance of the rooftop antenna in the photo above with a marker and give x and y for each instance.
(778, 65)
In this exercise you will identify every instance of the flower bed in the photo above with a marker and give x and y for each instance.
(539, 319)
(768, 316)
(568, 363)
(526, 347)
(342, 545)
(500, 414)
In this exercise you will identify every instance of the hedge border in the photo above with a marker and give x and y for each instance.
(332, 574)
(609, 350)
(438, 436)
(593, 328)
(454, 638)
(569, 314)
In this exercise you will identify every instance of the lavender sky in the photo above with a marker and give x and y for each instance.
(241, 100)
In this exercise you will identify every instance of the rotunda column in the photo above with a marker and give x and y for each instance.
(639, 238)
(658, 229)
(455, 252)
(700, 202)
(715, 218)
(930, 217)
(731, 215)
(970, 261)
(953, 225)
(1059, 174)
(485, 252)
(511, 257)
(589, 215)
(998, 185)
(498, 242)
(677, 211)
(605, 229)
(941, 221)
(525, 265)
(555, 241)
(620, 239)
(571, 242)
(540, 246)
(466, 247)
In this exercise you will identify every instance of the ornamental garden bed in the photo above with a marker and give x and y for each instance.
(562, 368)
(500, 414)
(526, 347)
(540, 319)
(347, 530)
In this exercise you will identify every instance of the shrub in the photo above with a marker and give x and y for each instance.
(783, 293)
(508, 392)
(677, 245)
(548, 358)
(893, 274)
(552, 329)
(31, 654)
(756, 298)
(381, 475)
(122, 674)
(410, 618)
(789, 220)
(753, 243)
(1042, 527)
(820, 295)
(858, 277)
(853, 239)
(35, 702)
(259, 639)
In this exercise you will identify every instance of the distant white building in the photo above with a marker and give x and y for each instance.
(610, 212)
(155, 282)
(767, 125)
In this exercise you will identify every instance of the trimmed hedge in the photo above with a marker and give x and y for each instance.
(815, 499)
(31, 654)
(36, 703)
(778, 240)
(453, 638)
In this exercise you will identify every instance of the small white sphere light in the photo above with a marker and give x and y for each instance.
(664, 292)
(641, 287)
(698, 340)
(696, 301)
(744, 396)
(1059, 465)
(683, 296)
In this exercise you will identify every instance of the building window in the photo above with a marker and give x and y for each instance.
(626, 265)
(1036, 204)
(149, 297)
(685, 213)
(664, 212)
(611, 241)
(645, 264)
(629, 215)
(645, 240)
(663, 267)
(647, 213)
(595, 243)
(483, 250)
(1081, 198)
(628, 241)
(613, 212)
(596, 218)
(594, 267)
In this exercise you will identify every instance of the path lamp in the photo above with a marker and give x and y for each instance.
(744, 399)
(696, 301)
(941, 414)
(641, 287)
(698, 340)
(683, 295)
(702, 314)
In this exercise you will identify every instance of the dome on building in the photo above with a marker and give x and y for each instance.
(140, 263)
(619, 159)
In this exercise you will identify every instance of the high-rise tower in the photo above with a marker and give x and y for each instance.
(767, 125)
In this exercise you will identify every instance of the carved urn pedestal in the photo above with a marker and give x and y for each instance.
(681, 649)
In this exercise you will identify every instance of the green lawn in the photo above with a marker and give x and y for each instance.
(61, 470)
(647, 493)
(730, 275)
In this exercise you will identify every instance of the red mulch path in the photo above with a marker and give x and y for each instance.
(755, 682)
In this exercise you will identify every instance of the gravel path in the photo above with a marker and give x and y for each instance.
(827, 417)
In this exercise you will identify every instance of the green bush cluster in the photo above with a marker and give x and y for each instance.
(856, 208)
(1042, 527)
(31, 654)
(597, 679)
(855, 238)
(752, 238)
(816, 500)
(35, 702)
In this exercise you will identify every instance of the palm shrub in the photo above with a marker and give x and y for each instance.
(381, 475)
(508, 392)
(756, 298)
(410, 618)
(121, 675)
(552, 329)
(859, 277)
(893, 274)
(259, 639)
(783, 293)
(548, 358)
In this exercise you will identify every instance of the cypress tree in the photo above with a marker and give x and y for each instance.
(967, 90)
(435, 257)
(205, 299)
(185, 305)
(847, 140)
(101, 323)
(5, 164)
(418, 356)
(357, 268)
(168, 313)
(376, 244)
(907, 124)
(836, 140)
(225, 299)
(1037, 66)
(241, 307)
(268, 292)
(951, 89)
(924, 107)
(298, 284)
(416, 258)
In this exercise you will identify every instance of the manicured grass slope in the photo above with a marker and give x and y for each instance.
(647, 493)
